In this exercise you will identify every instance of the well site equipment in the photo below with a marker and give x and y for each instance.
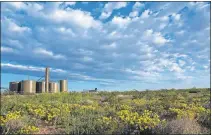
(30, 86)
(47, 80)
(14, 86)
(40, 87)
(53, 87)
(63, 85)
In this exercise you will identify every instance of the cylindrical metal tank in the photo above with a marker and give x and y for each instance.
(28, 86)
(14, 86)
(40, 87)
(53, 87)
(19, 87)
(63, 85)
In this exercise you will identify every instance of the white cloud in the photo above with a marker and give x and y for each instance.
(138, 5)
(191, 68)
(199, 5)
(87, 59)
(121, 21)
(155, 37)
(26, 6)
(141, 73)
(146, 14)
(105, 15)
(134, 14)
(182, 63)
(85, 52)
(136, 8)
(159, 39)
(162, 26)
(22, 67)
(16, 28)
(114, 35)
(31, 68)
(44, 52)
(115, 5)
(84, 2)
(205, 67)
(15, 43)
(182, 76)
(170, 64)
(70, 3)
(58, 70)
(176, 68)
(164, 18)
(77, 17)
(110, 46)
(64, 30)
(177, 55)
(176, 17)
(17, 5)
(109, 7)
(194, 41)
(79, 66)
(115, 55)
(7, 49)
(181, 32)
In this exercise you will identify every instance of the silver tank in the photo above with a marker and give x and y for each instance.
(53, 87)
(28, 86)
(63, 85)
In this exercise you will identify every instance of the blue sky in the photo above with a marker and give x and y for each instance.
(109, 46)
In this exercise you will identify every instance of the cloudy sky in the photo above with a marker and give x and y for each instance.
(113, 46)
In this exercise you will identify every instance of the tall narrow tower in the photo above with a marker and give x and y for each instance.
(47, 80)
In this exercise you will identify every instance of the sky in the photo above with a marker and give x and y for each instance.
(107, 45)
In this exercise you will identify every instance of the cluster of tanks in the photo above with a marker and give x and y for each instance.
(30, 86)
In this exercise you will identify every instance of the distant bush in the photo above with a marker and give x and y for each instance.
(194, 91)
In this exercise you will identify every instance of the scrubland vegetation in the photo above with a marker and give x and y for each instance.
(134, 112)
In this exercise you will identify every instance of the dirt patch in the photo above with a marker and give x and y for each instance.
(51, 130)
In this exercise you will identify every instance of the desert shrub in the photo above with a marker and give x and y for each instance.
(109, 125)
(191, 111)
(82, 124)
(15, 123)
(143, 122)
(179, 126)
(204, 118)
(13, 126)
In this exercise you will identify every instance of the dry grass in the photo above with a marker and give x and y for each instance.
(13, 126)
(181, 126)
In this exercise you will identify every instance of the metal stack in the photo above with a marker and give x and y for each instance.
(47, 80)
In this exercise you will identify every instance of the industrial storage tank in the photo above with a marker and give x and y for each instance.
(63, 86)
(53, 87)
(28, 86)
(40, 87)
(14, 86)
(19, 87)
